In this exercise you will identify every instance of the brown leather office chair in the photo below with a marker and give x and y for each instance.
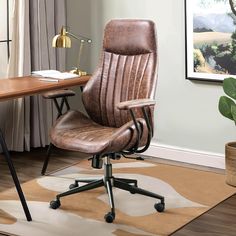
(118, 100)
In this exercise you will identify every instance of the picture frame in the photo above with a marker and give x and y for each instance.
(210, 34)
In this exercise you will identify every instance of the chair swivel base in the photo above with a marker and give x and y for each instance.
(108, 182)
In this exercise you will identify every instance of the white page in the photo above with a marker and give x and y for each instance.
(46, 72)
(54, 74)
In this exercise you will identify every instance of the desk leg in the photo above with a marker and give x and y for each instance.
(14, 176)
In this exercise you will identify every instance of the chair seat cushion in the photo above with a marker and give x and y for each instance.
(75, 131)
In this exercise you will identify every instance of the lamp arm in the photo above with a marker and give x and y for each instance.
(81, 38)
(80, 52)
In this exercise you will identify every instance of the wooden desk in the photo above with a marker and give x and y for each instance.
(29, 85)
(11, 88)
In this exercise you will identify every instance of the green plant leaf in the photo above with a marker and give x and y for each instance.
(225, 105)
(229, 86)
(233, 112)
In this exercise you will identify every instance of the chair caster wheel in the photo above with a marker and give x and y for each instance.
(75, 185)
(55, 204)
(160, 207)
(132, 191)
(109, 217)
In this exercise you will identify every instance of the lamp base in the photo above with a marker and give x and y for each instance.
(78, 72)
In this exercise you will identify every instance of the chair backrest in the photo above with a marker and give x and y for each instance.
(127, 70)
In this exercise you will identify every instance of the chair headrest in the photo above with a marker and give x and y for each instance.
(130, 37)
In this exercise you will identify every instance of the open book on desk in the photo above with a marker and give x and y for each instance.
(54, 74)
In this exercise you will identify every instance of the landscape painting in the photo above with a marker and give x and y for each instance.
(210, 39)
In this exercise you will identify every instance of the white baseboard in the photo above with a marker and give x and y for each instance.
(215, 160)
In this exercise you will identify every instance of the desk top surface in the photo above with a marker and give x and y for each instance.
(29, 85)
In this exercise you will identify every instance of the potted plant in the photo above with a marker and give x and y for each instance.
(227, 108)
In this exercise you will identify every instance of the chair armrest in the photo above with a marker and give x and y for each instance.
(58, 93)
(143, 104)
(135, 103)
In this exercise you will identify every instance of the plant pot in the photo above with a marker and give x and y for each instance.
(230, 163)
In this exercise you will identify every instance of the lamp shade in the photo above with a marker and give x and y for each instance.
(61, 40)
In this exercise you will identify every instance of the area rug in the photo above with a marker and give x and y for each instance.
(188, 193)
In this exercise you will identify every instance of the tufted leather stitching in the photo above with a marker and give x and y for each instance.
(123, 78)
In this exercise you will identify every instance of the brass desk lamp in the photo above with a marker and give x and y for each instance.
(62, 40)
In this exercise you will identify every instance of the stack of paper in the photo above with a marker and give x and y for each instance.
(54, 74)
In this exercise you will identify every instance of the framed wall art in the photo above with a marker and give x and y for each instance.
(210, 39)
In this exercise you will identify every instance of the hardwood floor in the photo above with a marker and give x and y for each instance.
(28, 165)
(219, 221)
